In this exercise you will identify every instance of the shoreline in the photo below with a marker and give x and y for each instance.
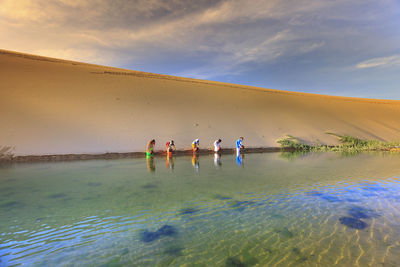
(116, 155)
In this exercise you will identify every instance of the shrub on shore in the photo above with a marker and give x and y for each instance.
(348, 144)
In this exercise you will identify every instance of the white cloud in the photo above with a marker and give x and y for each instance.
(311, 47)
(380, 62)
(269, 49)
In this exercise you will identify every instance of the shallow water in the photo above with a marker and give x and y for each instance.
(264, 209)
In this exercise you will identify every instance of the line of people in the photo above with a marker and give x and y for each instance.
(171, 149)
(170, 146)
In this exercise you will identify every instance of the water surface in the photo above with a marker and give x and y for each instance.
(267, 209)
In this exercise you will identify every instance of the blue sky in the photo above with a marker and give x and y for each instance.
(335, 47)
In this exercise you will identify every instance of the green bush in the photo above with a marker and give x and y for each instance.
(292, 143)
(348, 144)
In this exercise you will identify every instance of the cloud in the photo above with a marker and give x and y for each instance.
(311, 47)
(380, 62)
(222, 35)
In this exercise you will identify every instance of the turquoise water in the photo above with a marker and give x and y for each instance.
(268, 209)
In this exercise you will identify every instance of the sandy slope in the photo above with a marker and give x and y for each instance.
(50, 106)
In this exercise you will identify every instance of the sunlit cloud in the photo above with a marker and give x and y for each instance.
(100, 25)
(380, 62)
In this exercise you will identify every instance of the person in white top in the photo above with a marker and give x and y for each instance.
(217, 146)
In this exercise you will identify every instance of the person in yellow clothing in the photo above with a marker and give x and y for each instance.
(150, 148)
(195, 145)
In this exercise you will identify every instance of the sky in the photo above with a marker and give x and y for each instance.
(334, 47)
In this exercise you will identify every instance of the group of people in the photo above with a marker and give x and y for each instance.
(170, 149)
(170, 146)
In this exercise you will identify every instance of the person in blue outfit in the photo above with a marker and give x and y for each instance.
(239, 145)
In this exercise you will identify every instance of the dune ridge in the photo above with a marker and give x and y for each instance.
(54, 106)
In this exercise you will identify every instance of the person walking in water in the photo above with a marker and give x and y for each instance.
(195, 145)
(239, 145)
(217, 146)
(150, 147)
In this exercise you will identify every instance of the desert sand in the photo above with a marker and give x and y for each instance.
(50, 106)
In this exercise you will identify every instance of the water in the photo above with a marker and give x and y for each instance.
(267, 209)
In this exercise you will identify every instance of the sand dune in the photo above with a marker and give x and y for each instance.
(52, 106)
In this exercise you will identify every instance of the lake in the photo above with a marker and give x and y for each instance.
(275, 209)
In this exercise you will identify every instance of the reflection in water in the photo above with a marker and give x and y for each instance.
(151, 166)
(318, 210)
(170, 161)
(217, 159)
(195, 162)
(239, 158)
(293, 155)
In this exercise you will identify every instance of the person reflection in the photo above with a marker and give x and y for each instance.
(151, 167)
(170, 161)
(239, 158)
(195, 162)
(217, 159)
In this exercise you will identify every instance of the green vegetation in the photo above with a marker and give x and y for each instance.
(348, 144)
(293, 143)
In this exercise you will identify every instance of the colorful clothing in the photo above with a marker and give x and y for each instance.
(217, 146)
(239, 143)
(195, 144)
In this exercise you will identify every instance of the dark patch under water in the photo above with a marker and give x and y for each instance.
(93, 184)
(245, 259)
(12, 204)
(234, 262)
(60, 195)
(222, 197)
(353, 222)
(39, 219)
(241, 205)
(362, 213)
(124, 251)
(296, 250)
(300, 256)
(277, 216)
(173, 250)
(284, 232)
(165, 230)
(331, 198)
(149, 186)
(186, 211)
